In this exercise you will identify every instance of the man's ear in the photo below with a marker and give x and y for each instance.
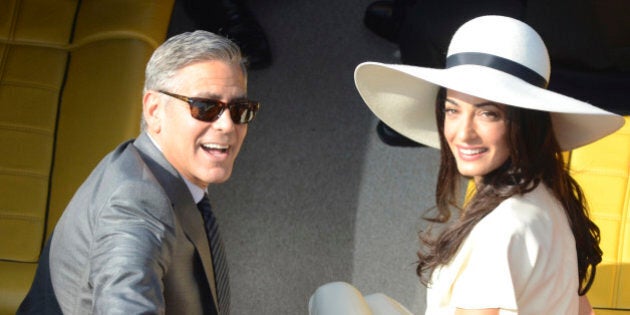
(152, 111)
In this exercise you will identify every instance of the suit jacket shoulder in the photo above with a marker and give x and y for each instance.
(132, 231)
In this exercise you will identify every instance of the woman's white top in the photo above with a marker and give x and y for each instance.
(520, 258)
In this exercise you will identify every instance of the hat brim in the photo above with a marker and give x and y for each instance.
(404, 96)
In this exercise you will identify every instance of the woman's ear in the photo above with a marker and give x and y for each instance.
(152, 111)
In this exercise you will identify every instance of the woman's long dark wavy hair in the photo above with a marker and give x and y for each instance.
(535, 158)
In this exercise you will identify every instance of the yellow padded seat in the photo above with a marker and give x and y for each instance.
(71, 75)
(603, 170)
(32, 68)
(34, 36)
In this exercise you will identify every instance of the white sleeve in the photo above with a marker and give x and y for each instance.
(499, 258)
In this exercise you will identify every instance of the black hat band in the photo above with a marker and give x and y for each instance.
(498, 63)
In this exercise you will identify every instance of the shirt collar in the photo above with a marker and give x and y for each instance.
(196, 191)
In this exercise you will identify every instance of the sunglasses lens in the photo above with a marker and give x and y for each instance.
(206, 110)
(243, 112)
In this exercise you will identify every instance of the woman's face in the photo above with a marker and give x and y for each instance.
(476, 132)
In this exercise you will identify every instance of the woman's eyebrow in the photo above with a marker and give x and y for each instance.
(451, 101)
(488, 103)
(482, 104)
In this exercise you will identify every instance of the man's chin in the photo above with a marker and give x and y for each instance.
(217, 176)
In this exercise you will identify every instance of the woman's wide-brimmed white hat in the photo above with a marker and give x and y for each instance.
(497, 58)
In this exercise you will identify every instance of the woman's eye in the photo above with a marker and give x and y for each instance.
(450, 111)
(490, 115)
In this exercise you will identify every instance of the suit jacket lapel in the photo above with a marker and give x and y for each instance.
(185, 208)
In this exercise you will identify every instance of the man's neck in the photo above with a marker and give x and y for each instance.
(196, 191)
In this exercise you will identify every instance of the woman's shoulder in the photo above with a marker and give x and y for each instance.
(535, 211)
(534, 205)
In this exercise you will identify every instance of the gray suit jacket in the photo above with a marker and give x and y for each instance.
(132, 240)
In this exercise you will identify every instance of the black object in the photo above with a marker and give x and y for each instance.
(244, 30)
(390, 137)
(384, 18)
(229, 18)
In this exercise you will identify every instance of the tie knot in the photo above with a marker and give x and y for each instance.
(204, 204)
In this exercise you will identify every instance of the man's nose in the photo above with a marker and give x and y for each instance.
(224, 121)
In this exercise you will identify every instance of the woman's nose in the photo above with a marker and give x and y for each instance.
(466, 129)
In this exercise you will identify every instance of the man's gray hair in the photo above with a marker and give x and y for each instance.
(184, 49)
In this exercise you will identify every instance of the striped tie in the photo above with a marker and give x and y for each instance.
(219, 260)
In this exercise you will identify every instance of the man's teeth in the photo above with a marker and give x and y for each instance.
(214, 146)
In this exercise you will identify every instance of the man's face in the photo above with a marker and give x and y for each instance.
(202, 152)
